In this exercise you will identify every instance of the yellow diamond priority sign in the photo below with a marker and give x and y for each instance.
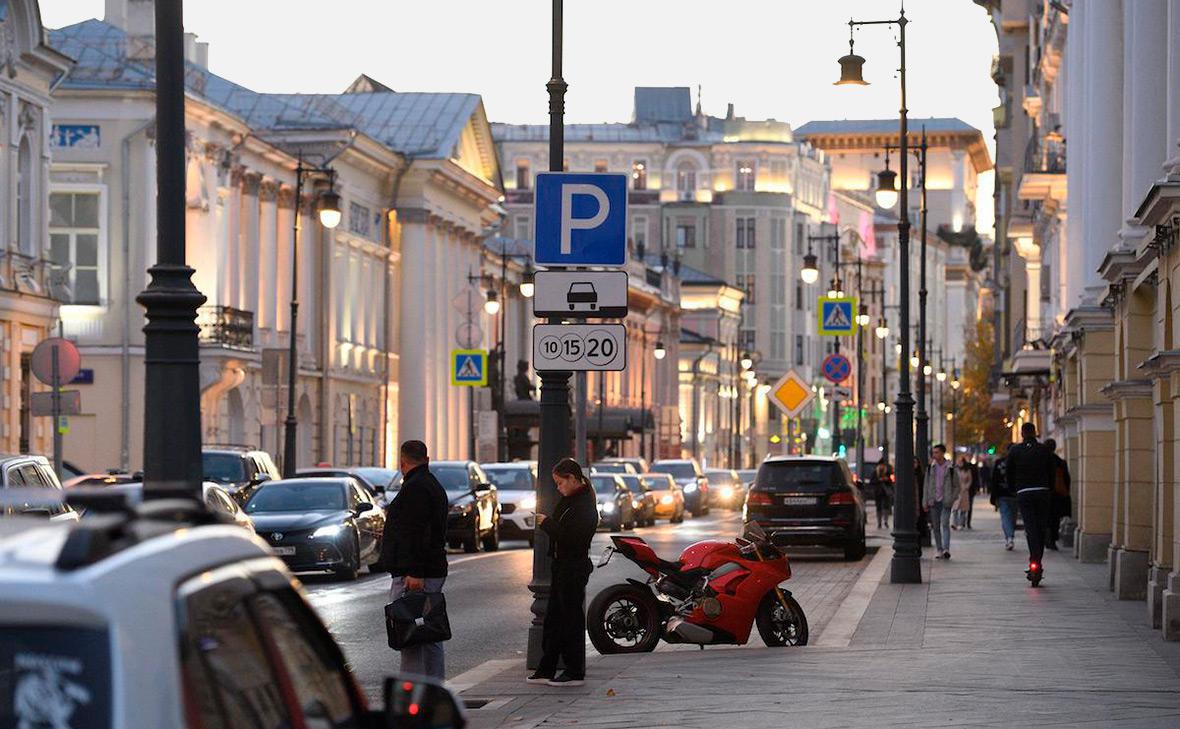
(791, 394)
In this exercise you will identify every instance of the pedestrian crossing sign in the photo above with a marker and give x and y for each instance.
(836, 316)
(469, 367)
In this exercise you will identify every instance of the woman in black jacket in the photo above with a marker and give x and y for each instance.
(570, 529)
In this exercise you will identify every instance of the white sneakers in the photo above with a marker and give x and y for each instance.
(1008, 545)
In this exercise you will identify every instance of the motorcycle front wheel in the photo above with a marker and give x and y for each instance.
(781, 626)
(623, 619)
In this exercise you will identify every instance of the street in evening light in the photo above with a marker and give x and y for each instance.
(545, 363)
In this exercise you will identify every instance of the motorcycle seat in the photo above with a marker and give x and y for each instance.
(685, 578)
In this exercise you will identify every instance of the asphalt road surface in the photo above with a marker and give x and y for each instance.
(488, 599)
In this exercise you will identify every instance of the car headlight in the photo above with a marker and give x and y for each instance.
(727, 492)
(666, 499)
(528, 502)
(326, 531)
(635, 504)
(689, 488)
(608, 507)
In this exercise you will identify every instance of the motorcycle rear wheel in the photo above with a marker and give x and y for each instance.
(623, 619)
(779, 627)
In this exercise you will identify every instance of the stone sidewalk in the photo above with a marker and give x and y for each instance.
(974, 646)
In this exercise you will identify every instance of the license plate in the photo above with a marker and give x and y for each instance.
(798, 501)
(606, 555)
(284, 551)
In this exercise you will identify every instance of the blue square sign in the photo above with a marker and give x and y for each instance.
(581, 219)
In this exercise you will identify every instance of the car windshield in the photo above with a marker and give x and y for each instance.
(612, 467)
(634, 483)
(656, 482)
(512, 478)
(453, 478)
(678, 470)
(796, 477)
(297, 496)
(378, 476)
(718, 478)
(604, 485)
(223, 467)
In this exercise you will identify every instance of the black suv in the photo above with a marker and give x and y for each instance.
(808, 500)
(238, 469)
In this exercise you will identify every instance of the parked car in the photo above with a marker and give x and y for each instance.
(29, 486)
(240, 470)
(808, 500)
(668, 495)
(612, 467)
(375, 480)
(747, 476)
(516, 489)
(641, 499)
(638, 463)
(725, 488)
(692, 480)
(216, 498)
(616, 506)
(160, 617)
(474, 519)
(318, 524)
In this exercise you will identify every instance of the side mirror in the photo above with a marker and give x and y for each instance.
(417, 702)
(362, 508)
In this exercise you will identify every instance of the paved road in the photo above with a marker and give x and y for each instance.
(488, 598)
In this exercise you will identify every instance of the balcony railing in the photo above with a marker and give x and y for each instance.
(1045, 155)
(224, 326)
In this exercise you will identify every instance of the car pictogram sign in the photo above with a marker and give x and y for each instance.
(791, 394)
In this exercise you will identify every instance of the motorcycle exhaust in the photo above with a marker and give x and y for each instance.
(689, 632)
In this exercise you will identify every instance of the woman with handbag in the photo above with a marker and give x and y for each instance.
(569, 529)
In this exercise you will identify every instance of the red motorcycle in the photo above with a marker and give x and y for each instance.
(713, 595)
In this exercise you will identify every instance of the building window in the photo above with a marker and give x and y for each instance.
(799, 238)
(686, 235)
(745, 282)
(798, 349)
(639, 175)
(523, 178)
(600, 165)
(747, 340)
(359, 220)
(524, 227)
(745, 175)
(798, 297)
(745, 233)
(686, 179)
(639, 234)
(778, 234)
(24, 197)
(74, 230)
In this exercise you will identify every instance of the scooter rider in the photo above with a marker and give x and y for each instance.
(1031, 470)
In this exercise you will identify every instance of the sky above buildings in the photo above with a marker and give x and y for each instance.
(770, 58)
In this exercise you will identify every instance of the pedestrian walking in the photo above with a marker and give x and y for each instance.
(976, 487)
(963, 504)
(921, 517)
(570, 528)
(1004, 500)
(1060, 505)
(1031, 472)
(939, 494)
(414, 546)
(883, 492)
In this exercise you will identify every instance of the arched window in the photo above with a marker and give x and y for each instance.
(24, 197)
(686, 177)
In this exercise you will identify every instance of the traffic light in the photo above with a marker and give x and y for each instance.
(991, 450)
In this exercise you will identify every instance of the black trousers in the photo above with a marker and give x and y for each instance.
(1035, 509)
(563, 633)
(1061, 508)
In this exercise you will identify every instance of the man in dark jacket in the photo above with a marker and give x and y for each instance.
(1060, 506)
(414, 547)
(1031, 471)
(1004, 500)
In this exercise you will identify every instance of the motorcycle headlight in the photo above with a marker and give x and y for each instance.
(666, 499)
(608, 507)
(528, 502)
(326, 531)
(727, 492)
(689, 488)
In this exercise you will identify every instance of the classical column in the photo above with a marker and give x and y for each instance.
(1032, 321)
(230, 236)
(267, 262)
(1172, 140)
(248, 286)
(1103, 95)
(1147, 98)
(285, 234)
(1073, 65)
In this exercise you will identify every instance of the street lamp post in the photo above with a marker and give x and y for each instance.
(555, 385)
(172, 408)
(906, 565)
(329, 218)
(500, 385)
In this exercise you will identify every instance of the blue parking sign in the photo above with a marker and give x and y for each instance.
(581, 219)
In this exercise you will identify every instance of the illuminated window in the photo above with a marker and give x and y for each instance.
(686, 178)
(745, 282)
(523, 178)
(745, 175)
(639, 175)
(600, 165)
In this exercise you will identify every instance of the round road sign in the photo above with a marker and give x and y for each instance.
(836, 368)
(69, 362)
(469, 335)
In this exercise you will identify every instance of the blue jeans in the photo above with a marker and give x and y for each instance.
(940, 525)
(1008, 508)
(426, 659)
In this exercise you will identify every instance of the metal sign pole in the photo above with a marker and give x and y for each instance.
(56, 412)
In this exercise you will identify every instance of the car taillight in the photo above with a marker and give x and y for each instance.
(758, 498)
(841, 498)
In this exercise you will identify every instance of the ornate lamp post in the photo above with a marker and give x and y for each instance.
(906, 566)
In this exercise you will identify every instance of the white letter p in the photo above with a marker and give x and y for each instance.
(568, 222)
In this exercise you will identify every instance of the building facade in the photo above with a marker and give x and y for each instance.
(31, 286)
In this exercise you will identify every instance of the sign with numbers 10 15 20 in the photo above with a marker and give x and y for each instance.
(579, 347)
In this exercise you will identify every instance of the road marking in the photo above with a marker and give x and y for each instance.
(840, 629)
(481, 673)
(471, 557)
